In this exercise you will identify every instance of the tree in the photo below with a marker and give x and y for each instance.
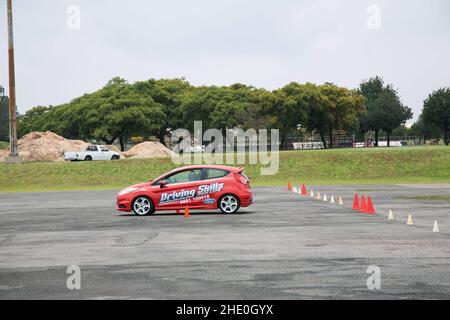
(436, 111)
(168, 94)
(344, 108)
(322, 108)
(425, 129)
(224, 108)
(289, 109)
(392, 111)
(385, 111)
(117, 111)
(4, 115)
(33, 120)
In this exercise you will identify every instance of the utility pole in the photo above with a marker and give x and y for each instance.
(13, 155)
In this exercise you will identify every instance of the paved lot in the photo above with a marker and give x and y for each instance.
(284, 247)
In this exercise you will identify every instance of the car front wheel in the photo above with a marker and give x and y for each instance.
(229, 204)
(143, 206)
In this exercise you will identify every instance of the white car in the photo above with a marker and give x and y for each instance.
(92, 153)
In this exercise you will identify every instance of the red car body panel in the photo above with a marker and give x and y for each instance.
(203, 194)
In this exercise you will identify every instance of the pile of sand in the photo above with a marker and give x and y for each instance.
(148, 149)
(44, 146)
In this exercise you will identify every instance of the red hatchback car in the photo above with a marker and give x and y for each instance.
(195, 187)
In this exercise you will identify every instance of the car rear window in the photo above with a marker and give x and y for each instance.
(244, 175)
(216, 173)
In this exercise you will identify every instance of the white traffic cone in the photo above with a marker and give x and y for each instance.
(325, 199)
(332, 199)
(436, 227)
(341, 202)
(294, 190)
(319, 197)
(391, 215)
(312, 194)
(410, 221)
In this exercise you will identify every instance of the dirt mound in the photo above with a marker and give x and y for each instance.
(148, 149)
(113, 148)
(44, 146)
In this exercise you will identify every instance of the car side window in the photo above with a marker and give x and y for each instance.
(92, 148)
(215, 173)
(185, 176)
(104, 149)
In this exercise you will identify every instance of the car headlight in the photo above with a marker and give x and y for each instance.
(127, 190)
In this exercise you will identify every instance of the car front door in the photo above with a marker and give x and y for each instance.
(180, 190)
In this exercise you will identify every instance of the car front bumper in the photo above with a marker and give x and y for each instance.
(123, 204)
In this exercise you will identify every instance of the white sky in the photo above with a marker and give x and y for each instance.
(259, 42)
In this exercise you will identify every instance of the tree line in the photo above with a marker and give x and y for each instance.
(121, 110)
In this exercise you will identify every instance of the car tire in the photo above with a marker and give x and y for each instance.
(114, 157)
(229, 204)
(88, 158)
(143, 206)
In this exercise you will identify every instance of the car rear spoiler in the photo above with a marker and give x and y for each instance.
(240, 170)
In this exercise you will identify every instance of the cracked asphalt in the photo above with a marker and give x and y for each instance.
(283, 247)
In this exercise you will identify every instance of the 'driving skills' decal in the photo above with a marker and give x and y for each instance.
(184, 194)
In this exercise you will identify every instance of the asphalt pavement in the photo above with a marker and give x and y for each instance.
(283, 247)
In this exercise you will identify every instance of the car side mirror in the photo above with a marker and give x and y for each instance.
(162, 184)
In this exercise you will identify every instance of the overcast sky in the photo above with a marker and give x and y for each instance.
(258, 42)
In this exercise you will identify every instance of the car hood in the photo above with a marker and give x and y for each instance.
(141, 185)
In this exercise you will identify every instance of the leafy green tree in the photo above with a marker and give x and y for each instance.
(224, 108)
(385, 111)
(117, 111)
(425, 129)
(323, 109)
(168, 94)
(344, 108)
(289, 109)
(33, 120)
(4, 115)
(436, 111)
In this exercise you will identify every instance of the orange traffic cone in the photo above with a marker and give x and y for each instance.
(356, 203)
(370, 209)
(187, 212)
(289, 186)
(362, 207)
(304, 191)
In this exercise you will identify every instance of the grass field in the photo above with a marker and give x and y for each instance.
(349, 166)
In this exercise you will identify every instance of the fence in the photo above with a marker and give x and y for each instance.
(313, 142)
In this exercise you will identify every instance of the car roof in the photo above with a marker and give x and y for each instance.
(220, 167)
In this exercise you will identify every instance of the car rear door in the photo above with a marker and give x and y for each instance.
(105, 154)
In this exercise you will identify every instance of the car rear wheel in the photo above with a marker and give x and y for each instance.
(229, 204)
(88, 158)
(114, 157)
(143, 206)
